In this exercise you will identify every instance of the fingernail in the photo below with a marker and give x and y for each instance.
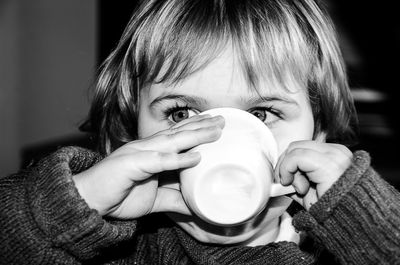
(301, 191)
(193, 155)
(285, 181)
(211, 128)
(298, 191)
(219, 120)
(276, 176)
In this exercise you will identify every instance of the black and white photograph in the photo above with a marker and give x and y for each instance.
(207, 132)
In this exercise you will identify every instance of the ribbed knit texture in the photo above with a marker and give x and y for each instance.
(358, 219)
(43, 220)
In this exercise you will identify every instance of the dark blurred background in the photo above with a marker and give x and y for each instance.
(50, 51)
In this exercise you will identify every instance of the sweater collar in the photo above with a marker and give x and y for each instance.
(178, 247)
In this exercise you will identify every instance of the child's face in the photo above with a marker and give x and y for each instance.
(288, 114)
(221, 84)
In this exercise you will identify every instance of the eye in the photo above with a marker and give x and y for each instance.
(259, 113)
(266, 114)
(179, 114)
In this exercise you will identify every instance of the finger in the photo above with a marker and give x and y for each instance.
(149, 163)
(277, 177)
(283, 175)
(184, 140)
(197, 124)
(320, 147)
(307, 200)
(310, 198)
(177, 142)
(301, 183)
(191, 119)
(170, 200)
(307, 161)
(307, 144)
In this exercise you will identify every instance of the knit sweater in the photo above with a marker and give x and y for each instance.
(43, 220)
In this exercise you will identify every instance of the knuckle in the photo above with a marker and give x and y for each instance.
(161, 156)
(161, 160)
(171, 141)
(173, 129)
(202, 134)
(341, 155)
(208, 121)
(138, 145)
(175, 204)
(214, 132)
(299, 152)
(296, 144)
(347, 152)
(344, 162)
(174, 142)
(166, 137)
(341, 149)
(198, 139)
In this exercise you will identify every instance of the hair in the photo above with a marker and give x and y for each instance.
(286, 42)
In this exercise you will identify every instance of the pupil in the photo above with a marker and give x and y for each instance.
(260, 115)
(180, 115)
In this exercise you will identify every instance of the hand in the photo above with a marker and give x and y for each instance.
(125, 184)
(312, 168)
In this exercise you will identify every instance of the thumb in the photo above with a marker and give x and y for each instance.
(170, 200)
(306, 200)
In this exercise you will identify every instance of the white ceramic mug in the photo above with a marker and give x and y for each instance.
(234, 179)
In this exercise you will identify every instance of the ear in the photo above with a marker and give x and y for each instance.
(320, 137)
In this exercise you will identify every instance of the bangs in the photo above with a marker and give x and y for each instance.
(273, 49)
(184, 36)
(279, 44)
(181, 38)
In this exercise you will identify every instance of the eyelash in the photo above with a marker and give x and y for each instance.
(169, 111)
(270, 110)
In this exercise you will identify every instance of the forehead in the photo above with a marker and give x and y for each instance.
(222, 79)
(273, 47)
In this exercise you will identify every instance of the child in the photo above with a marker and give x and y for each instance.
(277, 59)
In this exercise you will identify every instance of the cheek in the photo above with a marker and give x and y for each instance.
(142, 128)
(148, 122)
(146, 125)
(149, 125)
(291, 132)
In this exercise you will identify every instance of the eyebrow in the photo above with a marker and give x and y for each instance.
(189, 99)
(199, 101)
(255, 100)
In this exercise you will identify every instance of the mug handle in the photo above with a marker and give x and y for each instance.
(278, 189)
